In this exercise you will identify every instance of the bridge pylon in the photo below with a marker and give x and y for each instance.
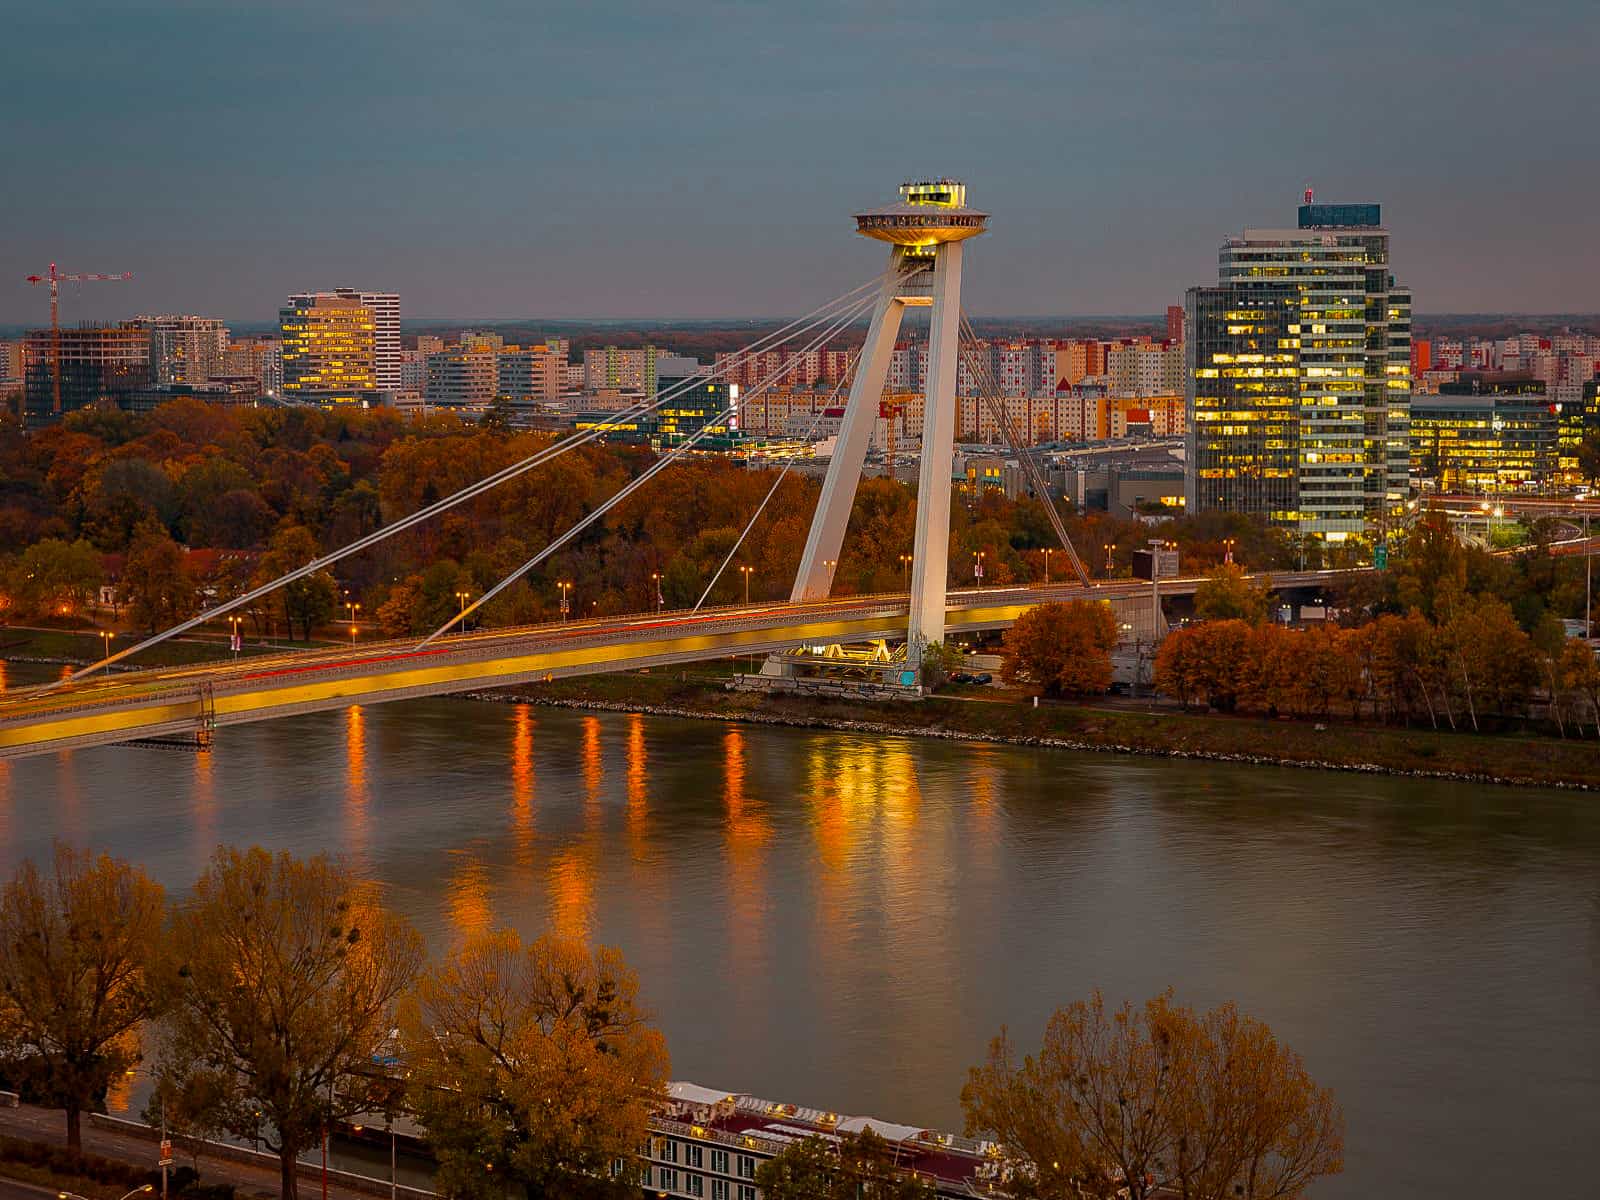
(925, 230)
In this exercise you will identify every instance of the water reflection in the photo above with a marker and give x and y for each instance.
(522, 785)
(356, 796)
(467, 893)
(203, 811)
(842, 919)
(119, 1094)
(747, 830)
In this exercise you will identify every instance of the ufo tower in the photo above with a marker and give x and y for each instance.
(925, 230)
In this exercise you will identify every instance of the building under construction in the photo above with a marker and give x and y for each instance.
(98, 362)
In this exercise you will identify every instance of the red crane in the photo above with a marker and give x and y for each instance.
(55, 279)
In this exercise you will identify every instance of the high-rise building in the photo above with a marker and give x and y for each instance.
(632, 368)
(10, 365)
(1068, 362)
(1141, 367)
(1174, 322)
(385, 308)
(186, 349)
(328, 348)
(530, 375)
(98, 362)
(1299, 376)
(1486, 432)
(463, 377)
(260, 358)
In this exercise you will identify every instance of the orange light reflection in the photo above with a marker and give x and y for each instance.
(522, 793)
(356, 795)
(467, 894)
(748, 831)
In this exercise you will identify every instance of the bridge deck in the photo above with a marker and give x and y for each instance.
(165, 701)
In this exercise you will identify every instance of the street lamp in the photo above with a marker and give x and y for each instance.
(1047, 565)
(462, 598)
(388, 1127)
(105, 640)
(905, 571)
(233, 640)
(138, 1191)
(746, 572)
(1227, 549)
(655, 578)
(1107, 547)
(977, 567)
(565, 589)
(353, 608)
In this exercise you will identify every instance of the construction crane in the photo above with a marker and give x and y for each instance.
(891, 408)
(55, 279)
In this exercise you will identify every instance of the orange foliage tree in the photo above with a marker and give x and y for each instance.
(1065, 648)
(1155, 1101)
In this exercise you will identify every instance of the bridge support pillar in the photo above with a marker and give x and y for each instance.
(814, 579)
(931, 551)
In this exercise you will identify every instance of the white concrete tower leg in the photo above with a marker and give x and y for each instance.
(813, 579)
(932, 550)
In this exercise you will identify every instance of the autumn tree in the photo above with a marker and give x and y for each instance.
(534, 1066)
(56, 577)
(75, 944)
(1154, 1101)
(940, 660)
(282, 978)
(309, 600)
(1065, 648)
(1589, 458)
(1228, 594)
(1579, 674)
(156, 580)
(1490, 659)
(858, 1166)
(1209, 661)
(1432, 564)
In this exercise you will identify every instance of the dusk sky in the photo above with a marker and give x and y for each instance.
(703, 159)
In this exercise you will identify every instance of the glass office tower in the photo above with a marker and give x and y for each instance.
(1332, 384)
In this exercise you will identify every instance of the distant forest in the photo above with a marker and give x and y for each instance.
(705, 338)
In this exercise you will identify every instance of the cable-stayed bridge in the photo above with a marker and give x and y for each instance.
(184, 700)
(925, 230)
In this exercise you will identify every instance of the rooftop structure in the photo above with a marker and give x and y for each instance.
(929, 213)
(755, 1130)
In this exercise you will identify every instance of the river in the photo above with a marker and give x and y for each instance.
(844, 921)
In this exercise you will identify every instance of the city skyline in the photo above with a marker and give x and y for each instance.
(593, 166)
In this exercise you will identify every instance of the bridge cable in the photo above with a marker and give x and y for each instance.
(656, 468)
(989, 390)
(780, 336)
(773, 490)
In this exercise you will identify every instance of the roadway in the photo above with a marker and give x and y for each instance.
(168, 701)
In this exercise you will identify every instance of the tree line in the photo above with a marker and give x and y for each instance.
(1448, 636)
(281, 997)
(112, 497)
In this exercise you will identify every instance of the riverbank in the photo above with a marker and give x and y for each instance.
(980, 715)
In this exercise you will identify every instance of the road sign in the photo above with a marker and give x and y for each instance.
(166, 1152)
(1380, 556)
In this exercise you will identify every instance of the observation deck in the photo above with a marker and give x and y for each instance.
(929, 213)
